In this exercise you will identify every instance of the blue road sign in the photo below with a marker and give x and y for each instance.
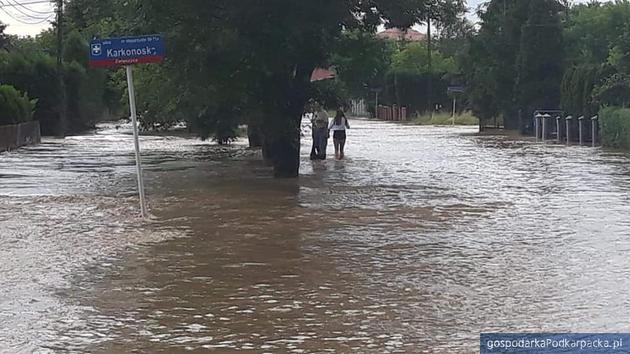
(126, 51)
(456, 89)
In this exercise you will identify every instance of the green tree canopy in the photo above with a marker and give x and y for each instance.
(361, 61)
(516, 59)
(414, 60)
(541, 57)
(595, 29)
(597, 40)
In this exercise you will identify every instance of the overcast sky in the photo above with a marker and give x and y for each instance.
(472, 4)
(36, 15)
(27, 19)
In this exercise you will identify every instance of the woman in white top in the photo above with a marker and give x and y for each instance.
(339, 126)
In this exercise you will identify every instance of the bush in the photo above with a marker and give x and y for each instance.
(615, 127)
(14, 107)
(37, 74)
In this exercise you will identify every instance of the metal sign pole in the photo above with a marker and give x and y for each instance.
(127, 51)
(454, 108)
(134, 122)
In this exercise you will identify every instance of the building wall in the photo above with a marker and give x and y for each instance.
(15, 136)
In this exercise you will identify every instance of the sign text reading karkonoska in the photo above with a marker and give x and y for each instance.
(126, 51)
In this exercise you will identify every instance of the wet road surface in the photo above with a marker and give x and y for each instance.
(423, 238)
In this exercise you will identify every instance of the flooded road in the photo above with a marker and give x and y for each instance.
(422, 239)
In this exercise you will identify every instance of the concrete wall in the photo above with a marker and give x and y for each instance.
(15, 136)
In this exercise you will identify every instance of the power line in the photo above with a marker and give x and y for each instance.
(16, 6)
(26, 22)
(26, 15)
(22, 21)
(27, 3)
(34, 20)
(15, 3)
(26, 18)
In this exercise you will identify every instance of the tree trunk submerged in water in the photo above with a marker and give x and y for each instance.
(281, 146)
(282, 126)
(254, 135)
(284, 152)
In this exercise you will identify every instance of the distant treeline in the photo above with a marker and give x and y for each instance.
(543, 54)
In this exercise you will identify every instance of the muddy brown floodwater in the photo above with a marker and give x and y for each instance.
(423, 238)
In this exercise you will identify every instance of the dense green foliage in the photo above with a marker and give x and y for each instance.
(251, 61)
(4, 39)
(400, 70)
(407, 79)
(597, 33)
(615, 127)
(30, 65)
(540, 62)
(361, 61)
(515, 62)
(577, 89)
(597, 42)
(233, 62)
(14, 106)
(36, 74)
(599, 54)
(491, 61)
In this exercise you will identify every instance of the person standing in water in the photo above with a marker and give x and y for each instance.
(339, 125)
(320, 134)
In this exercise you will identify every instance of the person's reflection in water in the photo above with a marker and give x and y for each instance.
(339, 166)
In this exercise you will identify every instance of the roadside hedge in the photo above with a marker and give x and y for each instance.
(15, 107)
(89, 95)
(615, 127)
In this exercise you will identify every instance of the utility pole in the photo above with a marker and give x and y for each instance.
(62, 111)
(376, 90)
(430, 65)
(376, 106)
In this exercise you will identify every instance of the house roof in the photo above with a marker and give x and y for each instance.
(322, 74)
(396, 34)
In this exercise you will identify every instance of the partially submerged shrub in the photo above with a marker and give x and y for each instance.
(14, 106)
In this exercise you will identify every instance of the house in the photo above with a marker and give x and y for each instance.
(320, 74)
(396, 34)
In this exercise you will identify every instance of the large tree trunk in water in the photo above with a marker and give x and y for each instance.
(266, 151)
(284, 154)
(281, 144)
(254, 135)
(282, 128)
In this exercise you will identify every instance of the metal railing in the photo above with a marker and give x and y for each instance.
(543, 130)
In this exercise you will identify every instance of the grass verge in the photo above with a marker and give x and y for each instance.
(465, 118)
